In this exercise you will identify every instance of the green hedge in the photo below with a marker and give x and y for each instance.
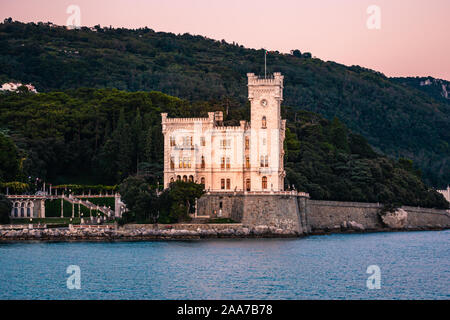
(53, 209)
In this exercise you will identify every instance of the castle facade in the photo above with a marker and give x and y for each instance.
(248, 157)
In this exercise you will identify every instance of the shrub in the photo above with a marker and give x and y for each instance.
(5, 209)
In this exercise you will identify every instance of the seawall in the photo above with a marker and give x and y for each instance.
(301, 215)
(257, 215)
(281, 211)
(336, 216)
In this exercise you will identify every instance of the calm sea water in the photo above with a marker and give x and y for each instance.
(413, 265)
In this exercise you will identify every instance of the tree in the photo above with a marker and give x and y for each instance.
(296, 53)
(9, 159)
(5, 209)
(140, 198)
(178, 200)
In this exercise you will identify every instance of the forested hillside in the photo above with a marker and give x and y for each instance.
(396, 119)
(436, 88)
(105, 135)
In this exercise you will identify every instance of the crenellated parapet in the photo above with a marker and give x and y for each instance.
(272, 85)
(185, 120)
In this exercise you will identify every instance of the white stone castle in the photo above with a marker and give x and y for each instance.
(248, 157)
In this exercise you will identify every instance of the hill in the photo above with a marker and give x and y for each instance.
(438, 89)
(398, 120)
(104, 135)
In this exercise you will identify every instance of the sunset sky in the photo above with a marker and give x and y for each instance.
(414, 38)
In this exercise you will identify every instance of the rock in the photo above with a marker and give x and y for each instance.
(344, 225)
(355, 226)
(273, 229)
(226, 232)
(396, 220)
(261, 230)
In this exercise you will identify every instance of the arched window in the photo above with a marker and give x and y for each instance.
(171, 180)
(247, 184)
(264, 182)
(172, 163)
(228, 184)
(222, 163)
(203, 162)
(22, 210)
(247, 143)
(228, 163)
(202, 180)
(222, 184)
(16, 210)
(247, 162)
(264, 122)
(184, 178)
(191, 178)
(178, 178)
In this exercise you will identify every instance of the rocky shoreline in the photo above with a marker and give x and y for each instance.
(141, 234)
(327, 231)
(208, 232)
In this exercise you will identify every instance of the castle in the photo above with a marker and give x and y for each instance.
(248, 157)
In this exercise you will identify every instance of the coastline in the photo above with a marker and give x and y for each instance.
(147, 233)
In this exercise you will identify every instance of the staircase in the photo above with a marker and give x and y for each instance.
(108, 212)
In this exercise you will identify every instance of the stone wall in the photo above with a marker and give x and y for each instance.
(299, 214)
(277, 210)
(330, 215)
(224, 204)
(427, 218)
(335, 216)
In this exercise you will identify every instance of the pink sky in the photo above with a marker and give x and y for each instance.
(414, 39)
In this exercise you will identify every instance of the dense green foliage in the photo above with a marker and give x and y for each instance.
(75, 137)
(15, 187)
(140, 198)
(5, 209)
(107, 135)
(147, 206)
(330, 162)
(435, 88)
(399, 120)
(9, 159)
(78, 189)
(94, 135)
(178, 201)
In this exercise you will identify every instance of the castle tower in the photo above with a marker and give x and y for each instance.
(267, 133)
